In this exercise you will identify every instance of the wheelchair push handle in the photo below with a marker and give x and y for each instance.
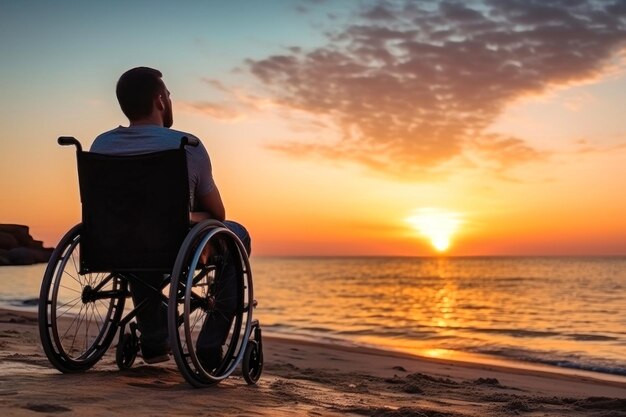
(70, 140)
(187, 141)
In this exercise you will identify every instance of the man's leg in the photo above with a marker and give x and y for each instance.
(241, 233)
(216, 326)
(151, 318)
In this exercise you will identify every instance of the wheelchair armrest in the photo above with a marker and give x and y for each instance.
(70, 140)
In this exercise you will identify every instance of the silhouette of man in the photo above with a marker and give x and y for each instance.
(145, 100)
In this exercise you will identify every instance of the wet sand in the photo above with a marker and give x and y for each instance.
(300, 378)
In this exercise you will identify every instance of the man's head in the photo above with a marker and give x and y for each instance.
(143, 95)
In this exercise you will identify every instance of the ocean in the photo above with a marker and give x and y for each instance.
(564, 314)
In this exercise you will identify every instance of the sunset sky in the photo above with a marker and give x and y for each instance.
(342, 127)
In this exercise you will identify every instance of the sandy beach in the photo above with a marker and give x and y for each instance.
(300, 378)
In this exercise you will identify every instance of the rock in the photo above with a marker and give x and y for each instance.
(21, 256)
(4, 257)
(8, 241)
(19, 232)
(43, 255)
(17, 247)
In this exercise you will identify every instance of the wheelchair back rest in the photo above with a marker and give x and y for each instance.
(135, 210)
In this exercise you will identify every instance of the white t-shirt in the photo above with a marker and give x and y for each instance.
(136, 140)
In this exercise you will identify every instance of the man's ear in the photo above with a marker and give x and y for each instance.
(159, 101)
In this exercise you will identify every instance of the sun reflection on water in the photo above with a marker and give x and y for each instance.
(547, 308)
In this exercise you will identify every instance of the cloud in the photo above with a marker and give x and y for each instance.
(584, 147)
(233, 104)
(218, 111)
(413, 86)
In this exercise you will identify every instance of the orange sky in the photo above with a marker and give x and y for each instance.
(327, 134)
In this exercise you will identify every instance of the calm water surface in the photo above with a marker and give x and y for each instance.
(564, 312)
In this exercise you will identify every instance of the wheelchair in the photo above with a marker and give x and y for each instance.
(135, 219)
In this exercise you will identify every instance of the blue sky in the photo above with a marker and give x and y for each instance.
(352, 115)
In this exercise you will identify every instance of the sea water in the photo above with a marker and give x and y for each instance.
(566, 313)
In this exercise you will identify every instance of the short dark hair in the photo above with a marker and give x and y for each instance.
(136, 89)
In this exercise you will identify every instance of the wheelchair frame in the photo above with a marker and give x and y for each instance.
(80, 311)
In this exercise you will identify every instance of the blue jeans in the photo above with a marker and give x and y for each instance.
(152, 319)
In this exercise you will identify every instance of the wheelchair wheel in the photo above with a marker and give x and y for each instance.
(78, 313)
(252, 365)
(126, 351)
(198, 298)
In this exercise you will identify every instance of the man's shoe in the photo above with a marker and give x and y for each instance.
(151, 355)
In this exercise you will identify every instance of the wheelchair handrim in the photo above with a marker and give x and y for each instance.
(243, 319)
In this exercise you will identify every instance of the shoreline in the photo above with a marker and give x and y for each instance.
(300, 378)
(442, 356)
(463, 359)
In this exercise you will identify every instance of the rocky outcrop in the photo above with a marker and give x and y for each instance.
(17, 247)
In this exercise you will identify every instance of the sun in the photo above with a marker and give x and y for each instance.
(437, 225)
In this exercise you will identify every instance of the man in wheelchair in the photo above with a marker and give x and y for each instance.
(145, 100)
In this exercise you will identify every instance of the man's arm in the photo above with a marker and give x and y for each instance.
(211, 204)
(208, 201)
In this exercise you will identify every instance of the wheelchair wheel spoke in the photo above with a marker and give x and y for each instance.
(74, 278)
(100, 319)
(103, 304)
(195, 296)
(88, 317)
(223, 316)
(99, 283)
(196, 320)
(75, 301)
(93, 279)
(74, 320)
(70, 289)
(79, 321)
(74, 262)
(94, 322)
(89, 279)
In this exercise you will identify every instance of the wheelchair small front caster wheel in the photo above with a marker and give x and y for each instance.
(252, 364)
(126, 351)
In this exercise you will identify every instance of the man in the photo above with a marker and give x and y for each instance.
(145, 100)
